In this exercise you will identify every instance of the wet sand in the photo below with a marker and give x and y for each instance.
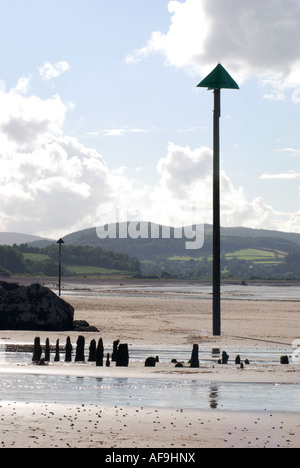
(82, 426)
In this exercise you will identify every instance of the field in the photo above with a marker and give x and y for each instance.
(257, 256)
(75, 270)
(250, 255)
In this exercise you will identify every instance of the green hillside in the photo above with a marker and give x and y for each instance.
(245, 253)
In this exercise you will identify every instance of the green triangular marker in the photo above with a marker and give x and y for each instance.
(219, 78)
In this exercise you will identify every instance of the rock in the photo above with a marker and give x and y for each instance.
(33, 307)
(284, 360)
(150, 362)
(83, 326)
(225, 357)
(238, 359)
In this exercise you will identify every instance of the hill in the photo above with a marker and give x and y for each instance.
(245, 252)
(147, 248)
(12, 238)
(161, 251)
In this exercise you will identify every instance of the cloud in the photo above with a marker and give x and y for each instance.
(50, 71)
(116, 132)
(257, 38)
(291, 175)
(288, 150)
(49, 182)
(293, 223)
(184, 193)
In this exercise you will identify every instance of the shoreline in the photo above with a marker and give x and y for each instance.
(255, 373)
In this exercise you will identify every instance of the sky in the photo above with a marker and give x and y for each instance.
(101, 118)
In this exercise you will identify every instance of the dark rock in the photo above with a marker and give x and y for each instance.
(179, 364)
(284, 360)
(33, 308)
(83, 326)
(150, 362)
(238, 359)
(225, 357)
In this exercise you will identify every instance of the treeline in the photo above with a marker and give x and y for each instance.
(45, 260)
(231, 269)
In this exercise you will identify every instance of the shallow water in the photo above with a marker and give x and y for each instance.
(139, 354)
(162, 393)
(191, 291)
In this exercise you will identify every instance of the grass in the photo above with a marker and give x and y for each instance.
(36, 257)
(76, 270)
(91, 270)
(256, 256)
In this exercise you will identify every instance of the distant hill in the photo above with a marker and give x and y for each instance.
(162, 251)
(264, 251)
(231, 240)
(11, 238)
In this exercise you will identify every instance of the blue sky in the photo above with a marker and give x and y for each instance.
(99, 108)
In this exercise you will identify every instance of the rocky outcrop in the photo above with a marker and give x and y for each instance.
(33, 308)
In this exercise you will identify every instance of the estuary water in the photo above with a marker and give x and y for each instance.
(161, 393)
(186, 290)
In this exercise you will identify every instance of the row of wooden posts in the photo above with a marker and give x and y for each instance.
(120, 353)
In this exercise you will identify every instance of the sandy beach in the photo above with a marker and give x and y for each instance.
(158, 322)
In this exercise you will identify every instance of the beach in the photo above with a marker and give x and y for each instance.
(159, 321)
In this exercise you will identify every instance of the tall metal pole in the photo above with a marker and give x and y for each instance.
(218, 79)
(216, 217)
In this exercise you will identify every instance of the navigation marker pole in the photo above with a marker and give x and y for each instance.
(218, 79)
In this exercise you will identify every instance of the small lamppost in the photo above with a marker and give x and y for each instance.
(60, 242)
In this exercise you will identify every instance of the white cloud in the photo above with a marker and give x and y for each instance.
(116, 132)
(23, 85)
(290, 175)
(50, 71)
(50, 183)
(288, 150)
(186, 182)
(251, 38)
